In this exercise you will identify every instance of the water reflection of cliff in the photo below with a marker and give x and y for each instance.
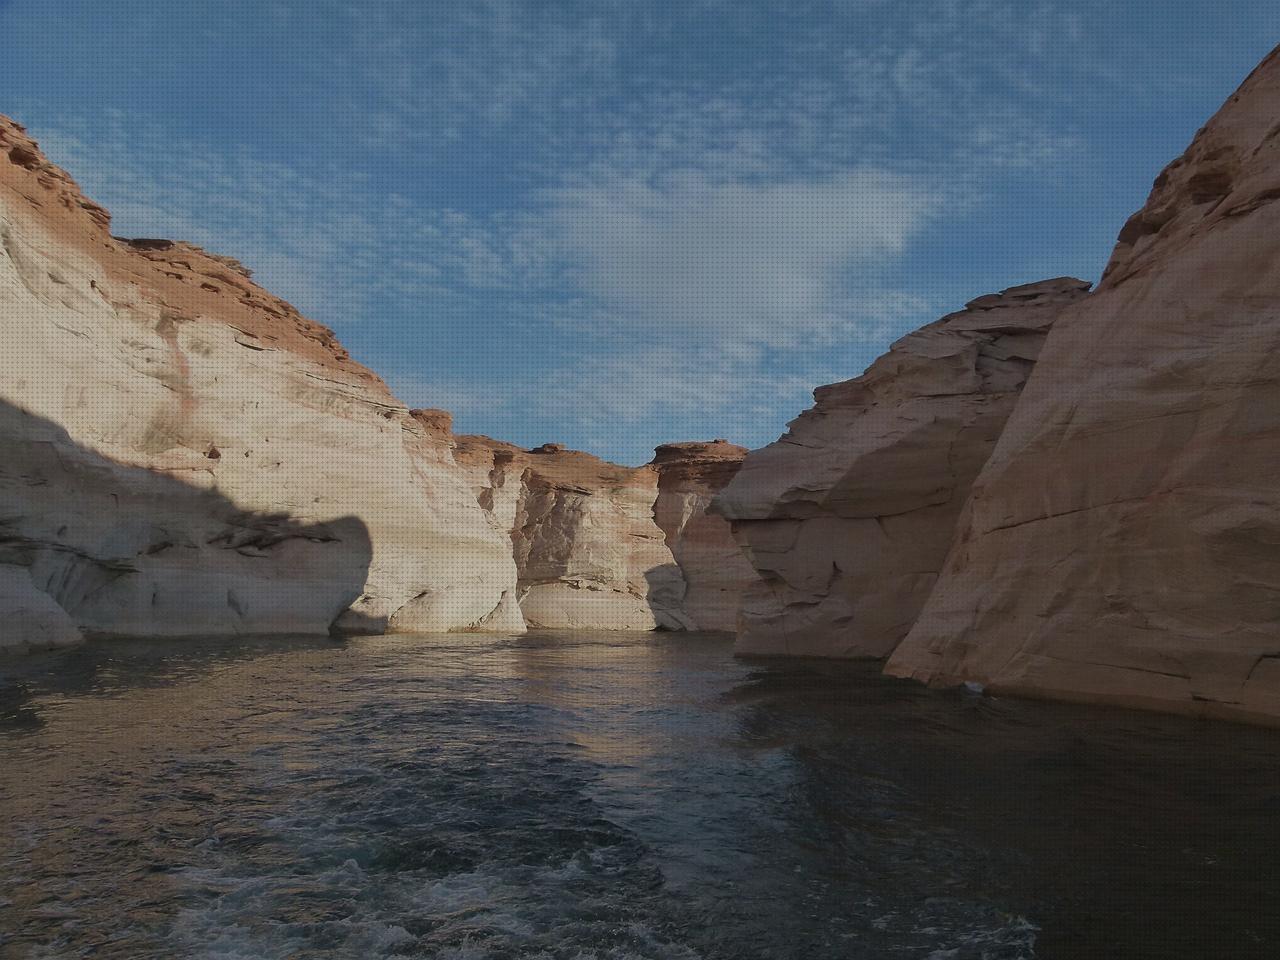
(1084, 819)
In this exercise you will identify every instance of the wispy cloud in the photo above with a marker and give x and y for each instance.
(757, 262)
(328, 239)
(680, 216)
(712, 379)
(486, 64)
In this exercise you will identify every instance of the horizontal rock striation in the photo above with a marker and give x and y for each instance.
(716, 572)
(1122, 544)
(582, 531)
(848, 517)
(185, 453)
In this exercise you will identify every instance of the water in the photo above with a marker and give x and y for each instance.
(607, 796)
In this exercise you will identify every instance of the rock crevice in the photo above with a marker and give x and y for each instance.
(716, 572)
(588, 553)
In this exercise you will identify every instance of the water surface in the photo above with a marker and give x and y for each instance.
(572, 797)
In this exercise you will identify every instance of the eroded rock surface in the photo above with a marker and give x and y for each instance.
(1123, 542)
(582, 530)
(185, 453)
(849, 516)
(716, 572)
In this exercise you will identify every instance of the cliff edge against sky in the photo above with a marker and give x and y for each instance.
(1102, 528)
(1052, 492)
(185, 453)
(1121, 544)
(849, 516)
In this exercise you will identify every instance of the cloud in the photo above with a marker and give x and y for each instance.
(692, 297)
(485, 65)
(761, 262)
(286, 227)
(680, 217)
(327, 239)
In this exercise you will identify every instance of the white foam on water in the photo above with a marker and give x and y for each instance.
(1015, 939)
(494, 911)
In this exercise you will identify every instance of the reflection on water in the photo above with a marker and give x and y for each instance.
(606, 796)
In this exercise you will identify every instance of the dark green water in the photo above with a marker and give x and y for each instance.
(607, 796)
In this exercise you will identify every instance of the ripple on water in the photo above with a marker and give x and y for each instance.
(599, 796)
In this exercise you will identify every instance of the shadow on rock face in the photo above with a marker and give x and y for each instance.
(666, 597)
(355, 622)
(90, 545)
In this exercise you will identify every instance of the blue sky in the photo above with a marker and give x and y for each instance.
(613, 224)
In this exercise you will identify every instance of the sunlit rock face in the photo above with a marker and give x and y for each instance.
(582, 531)
(716, 571)
(848, 517)
(1123, 542)
(185, 453)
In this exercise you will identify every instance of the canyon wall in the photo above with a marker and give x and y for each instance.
(1051, 492)
(848, 517)
(185, 453)
(1122, 544)
(1103, 529)
(716, 572)
(587, 550)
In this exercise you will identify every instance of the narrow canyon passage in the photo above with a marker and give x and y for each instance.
(598, 795)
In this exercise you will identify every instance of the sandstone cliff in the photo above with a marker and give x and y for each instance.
(582, 531)
(849, 516)
(185, 453)
(716, 572)
(1123, 542)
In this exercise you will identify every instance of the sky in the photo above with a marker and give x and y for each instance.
(613, 224)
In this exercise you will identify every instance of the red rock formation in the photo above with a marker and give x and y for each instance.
(1122, 544)
(588, 552)
(716, 572)
(180, 278)
(849, 516)
(186, 453)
